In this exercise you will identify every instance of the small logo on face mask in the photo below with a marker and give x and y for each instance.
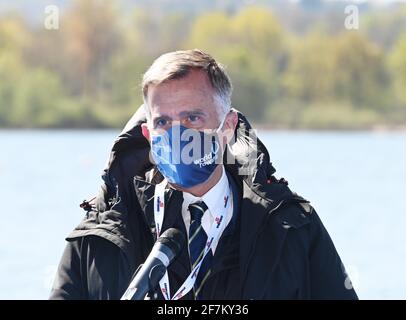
(208, 158)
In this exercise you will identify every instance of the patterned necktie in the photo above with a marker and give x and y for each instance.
(197, 243)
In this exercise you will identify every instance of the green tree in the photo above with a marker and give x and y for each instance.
(310, 73)
(385, 26)
(38, 99)
(11, 71)
(360, 72)
(249, 43)
(14, 38)
(397, 62)
(91, 37)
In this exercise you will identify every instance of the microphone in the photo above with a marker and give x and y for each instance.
(147, 275)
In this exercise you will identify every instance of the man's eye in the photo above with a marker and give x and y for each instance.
(193, 118)
(161, 122)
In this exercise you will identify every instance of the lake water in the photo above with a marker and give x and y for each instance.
(355, 181)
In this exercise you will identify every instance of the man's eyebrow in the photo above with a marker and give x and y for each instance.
(161, 116)
(197, 111)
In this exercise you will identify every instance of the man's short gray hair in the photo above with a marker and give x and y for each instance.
(177, 64)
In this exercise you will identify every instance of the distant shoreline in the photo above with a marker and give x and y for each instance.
(257, 126)
(382, 128)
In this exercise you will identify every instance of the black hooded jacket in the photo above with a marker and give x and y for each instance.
(275, 248)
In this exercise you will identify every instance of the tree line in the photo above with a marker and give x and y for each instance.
(87, 73)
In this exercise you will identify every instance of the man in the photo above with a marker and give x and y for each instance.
(266, 242)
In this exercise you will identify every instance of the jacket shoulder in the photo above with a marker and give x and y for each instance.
(295, 212)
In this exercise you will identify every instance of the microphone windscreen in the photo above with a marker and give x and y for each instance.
(174, 239)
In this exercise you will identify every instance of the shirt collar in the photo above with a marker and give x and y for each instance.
(213, 197)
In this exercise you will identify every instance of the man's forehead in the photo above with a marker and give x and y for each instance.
(178, 98)
(166, 93)
(180, 112)
(194, 84)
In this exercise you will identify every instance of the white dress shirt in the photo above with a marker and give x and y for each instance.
(214, 198)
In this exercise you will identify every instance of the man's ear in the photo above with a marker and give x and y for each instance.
(229, 125)
(145, 131)
(232, 119)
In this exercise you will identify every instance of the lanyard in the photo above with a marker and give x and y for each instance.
(214, 233)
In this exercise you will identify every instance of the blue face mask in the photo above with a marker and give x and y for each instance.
(186, 157)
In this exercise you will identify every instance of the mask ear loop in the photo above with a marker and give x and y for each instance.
(221, 123)
(218, 130)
